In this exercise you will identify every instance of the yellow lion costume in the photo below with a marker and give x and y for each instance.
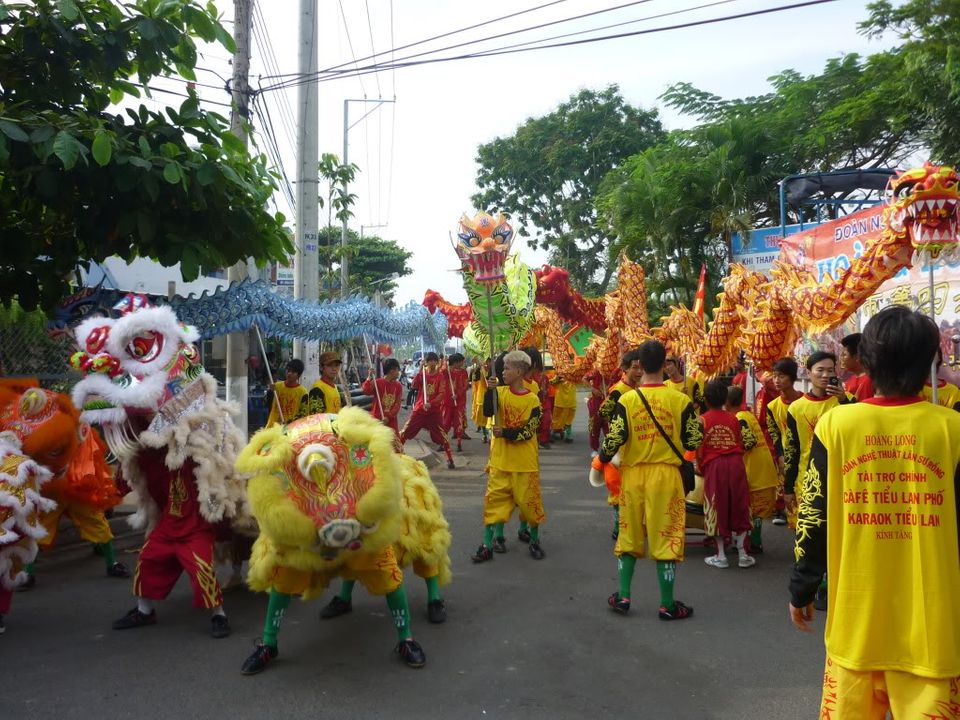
(334, 499)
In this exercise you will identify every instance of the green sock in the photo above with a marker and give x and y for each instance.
(108, 555)
(28, 568)
(488, 535)
(498, 530)
(346, 590)
(433, 588)
(276, 606)
(400, 609)
(666, 573)
(755, 541)
(568, 432)
(625, 566)
(534, 533)
(523, 526)
(823, 583)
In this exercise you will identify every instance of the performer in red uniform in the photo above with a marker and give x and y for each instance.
(455, 402)
(428, 410)
(387, 394)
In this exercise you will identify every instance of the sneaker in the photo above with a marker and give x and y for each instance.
(450, 465)
(820, 599)
(335, 608)
(746, 561)
(499, 545)
(619, 605)
(484, 439)
(679, 612)
(219, 626)
(437, 612)
(262, 655)
(482, 554)
(779, 519)
(523, 535)
(536, 552)
(411, 653)
(568, 440)
(717, 561)
(118, 570)
(135, 619)
(545, 446)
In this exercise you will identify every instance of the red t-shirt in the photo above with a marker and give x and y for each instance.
(390, 394)
(721, 436)
(437, 387)
(175, 493)
(860, 386)
(460, 381)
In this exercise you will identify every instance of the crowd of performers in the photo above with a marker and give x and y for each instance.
(846, 465)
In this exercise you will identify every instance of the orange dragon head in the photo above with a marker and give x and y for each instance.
(483, 245)
(925, 207)
(45, 422)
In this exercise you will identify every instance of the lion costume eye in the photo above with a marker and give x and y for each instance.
(316, 456)
(145, 347)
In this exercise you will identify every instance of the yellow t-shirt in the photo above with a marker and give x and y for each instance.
(777, 421)
(803, 414)
(638, 439)
(566, 396)
(331, 396)
(885, 483)
(289, 398)
(687, 386)
(948, 394)
(761, 471)
(515, 411)
(532, 386)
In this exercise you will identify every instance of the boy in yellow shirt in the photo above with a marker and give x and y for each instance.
(564, 409)
(513, 471)
(325, 395)
(285, 396)
(879, 516)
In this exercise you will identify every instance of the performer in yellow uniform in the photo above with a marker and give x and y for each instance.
(514, 467)
(564, 409)
(651, 492)
(784, 377)
(478, 385)
(631, 373)
(286, 396)
(761, 471)
(948, 394)
(879, 515)
(324, 395)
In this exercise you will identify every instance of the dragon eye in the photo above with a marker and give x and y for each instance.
(904, 190)
(146, 347)
(473, 241)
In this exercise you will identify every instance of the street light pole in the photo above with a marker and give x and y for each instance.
(344, 261)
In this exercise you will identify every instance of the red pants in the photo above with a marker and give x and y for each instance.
(455, 419)
(726, 496)
(162, 559)
(431, 422)
(595, 424)
(5, 597)
(546, 420)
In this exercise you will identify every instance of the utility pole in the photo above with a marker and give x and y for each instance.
(306, 265)
(344, 261)
(238, 342)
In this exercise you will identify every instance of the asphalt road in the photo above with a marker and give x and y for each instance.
(524, 639)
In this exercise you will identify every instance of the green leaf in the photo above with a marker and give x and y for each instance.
(231, 174)
(145, 148)
(42, 134)
(148, 29)
(68, 9)
(68, 149)
(13, 131)
(140, 162)
(233, 143)
(102, 148)
(116, 96)
(171, 173)
(145, 228)
(189, 264)
(225, 38)
(4, 148)
(206, 174)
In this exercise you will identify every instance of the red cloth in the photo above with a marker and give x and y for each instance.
(164, 557)
(175, 492)
(860, 386)
(390, 394)
(5, 597)
(595, 424)
(726, 495)
(740, 380)
(721, 436)
(768, 393)
(430, 421)
(437, 388)
(455, 415)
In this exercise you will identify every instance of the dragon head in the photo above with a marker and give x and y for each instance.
(142, 366)
(925, 207)
(484, 244)
(327, 484)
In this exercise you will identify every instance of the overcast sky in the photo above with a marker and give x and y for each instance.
(416, 157)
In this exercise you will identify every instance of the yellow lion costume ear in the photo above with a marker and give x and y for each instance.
(267, 451)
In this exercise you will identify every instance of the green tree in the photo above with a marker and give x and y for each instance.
(547, 175)
(337, 201)
(927, 64)
(372, 259)
(82, 181)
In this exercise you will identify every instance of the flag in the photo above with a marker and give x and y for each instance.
(700, 297)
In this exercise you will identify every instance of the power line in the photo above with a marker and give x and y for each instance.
(372, 48)
(491, 53)
(435, 37)
(350, 43)
(270, 61)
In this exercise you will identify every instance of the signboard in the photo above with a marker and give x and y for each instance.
(762, 247)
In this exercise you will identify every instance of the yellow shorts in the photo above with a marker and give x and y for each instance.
(652, 509)
(763, 503)
(562, 416)
(91, 524)
(420, 569)
(379, 574)
(509, 490)
(868, 695)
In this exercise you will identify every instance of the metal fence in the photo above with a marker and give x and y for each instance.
(29, 349)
